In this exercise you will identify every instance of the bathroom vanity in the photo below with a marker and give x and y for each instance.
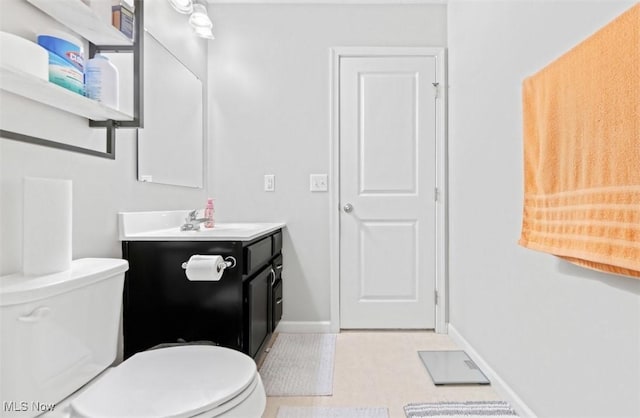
(161, 305)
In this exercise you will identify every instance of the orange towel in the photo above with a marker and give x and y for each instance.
(582, 152)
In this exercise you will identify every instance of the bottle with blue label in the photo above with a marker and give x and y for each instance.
(66, 61)
(101, 81)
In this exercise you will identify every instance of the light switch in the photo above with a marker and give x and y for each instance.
(318, 182)
(269, 182)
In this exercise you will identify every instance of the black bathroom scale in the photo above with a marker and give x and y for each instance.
(452, 368)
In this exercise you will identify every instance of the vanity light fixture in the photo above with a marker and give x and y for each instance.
(182, 6)
(199, 17)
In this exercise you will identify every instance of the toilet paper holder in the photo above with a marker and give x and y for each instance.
(229, 262)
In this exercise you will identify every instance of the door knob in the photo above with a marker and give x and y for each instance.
(348, 207)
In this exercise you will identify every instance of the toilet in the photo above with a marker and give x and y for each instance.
(59, 339)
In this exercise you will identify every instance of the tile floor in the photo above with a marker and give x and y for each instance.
(382, 369)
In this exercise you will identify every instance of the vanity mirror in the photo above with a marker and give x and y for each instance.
(171, 144)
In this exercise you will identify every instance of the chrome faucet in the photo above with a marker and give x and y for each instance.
(192, 222)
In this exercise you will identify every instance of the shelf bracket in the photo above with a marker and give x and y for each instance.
(138, 70)
(110, 152)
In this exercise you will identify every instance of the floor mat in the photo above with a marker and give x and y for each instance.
(300, 365)
(472, 409)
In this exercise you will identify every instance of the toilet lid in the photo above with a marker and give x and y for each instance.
(179, 381)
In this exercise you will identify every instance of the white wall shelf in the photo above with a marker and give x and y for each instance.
(81, 19)
(34, 88)
(101, 36)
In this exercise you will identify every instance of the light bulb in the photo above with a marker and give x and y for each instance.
(199, 18)
(203, 32)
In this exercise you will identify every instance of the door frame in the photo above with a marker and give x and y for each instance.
(441, 264)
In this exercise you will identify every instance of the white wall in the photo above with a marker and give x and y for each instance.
(269, 99)
(566, 339)
(101, 187)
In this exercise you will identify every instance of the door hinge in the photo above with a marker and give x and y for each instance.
(436, 193)
(436, 90)
(435, 292)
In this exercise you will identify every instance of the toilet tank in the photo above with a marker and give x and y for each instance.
(58, 332)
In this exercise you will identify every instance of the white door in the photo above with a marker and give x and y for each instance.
(387, 134)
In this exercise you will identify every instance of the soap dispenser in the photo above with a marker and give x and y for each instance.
(208, 214)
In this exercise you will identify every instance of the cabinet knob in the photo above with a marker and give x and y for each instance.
(348, 208)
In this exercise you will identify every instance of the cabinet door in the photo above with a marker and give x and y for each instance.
(277, 304)
(257, 310)
(162, 306)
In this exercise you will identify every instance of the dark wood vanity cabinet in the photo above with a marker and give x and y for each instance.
(239, 311)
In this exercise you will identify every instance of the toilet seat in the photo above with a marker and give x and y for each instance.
(178, 382)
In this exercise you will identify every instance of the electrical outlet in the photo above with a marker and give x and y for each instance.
(318, 182)
(269, 182)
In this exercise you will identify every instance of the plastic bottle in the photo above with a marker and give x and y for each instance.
(208, 213)
(101, 81)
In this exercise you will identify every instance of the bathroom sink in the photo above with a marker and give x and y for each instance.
(165, 226)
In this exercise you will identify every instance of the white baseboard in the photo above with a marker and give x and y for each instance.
(319, 327)
(497, 383)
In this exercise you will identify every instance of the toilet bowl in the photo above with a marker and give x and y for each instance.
(186, 381)
(60, 331)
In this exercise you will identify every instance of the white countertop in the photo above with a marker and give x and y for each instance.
(165, 226)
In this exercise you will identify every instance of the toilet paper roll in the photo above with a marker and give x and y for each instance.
(205, 268)
(46, 226)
